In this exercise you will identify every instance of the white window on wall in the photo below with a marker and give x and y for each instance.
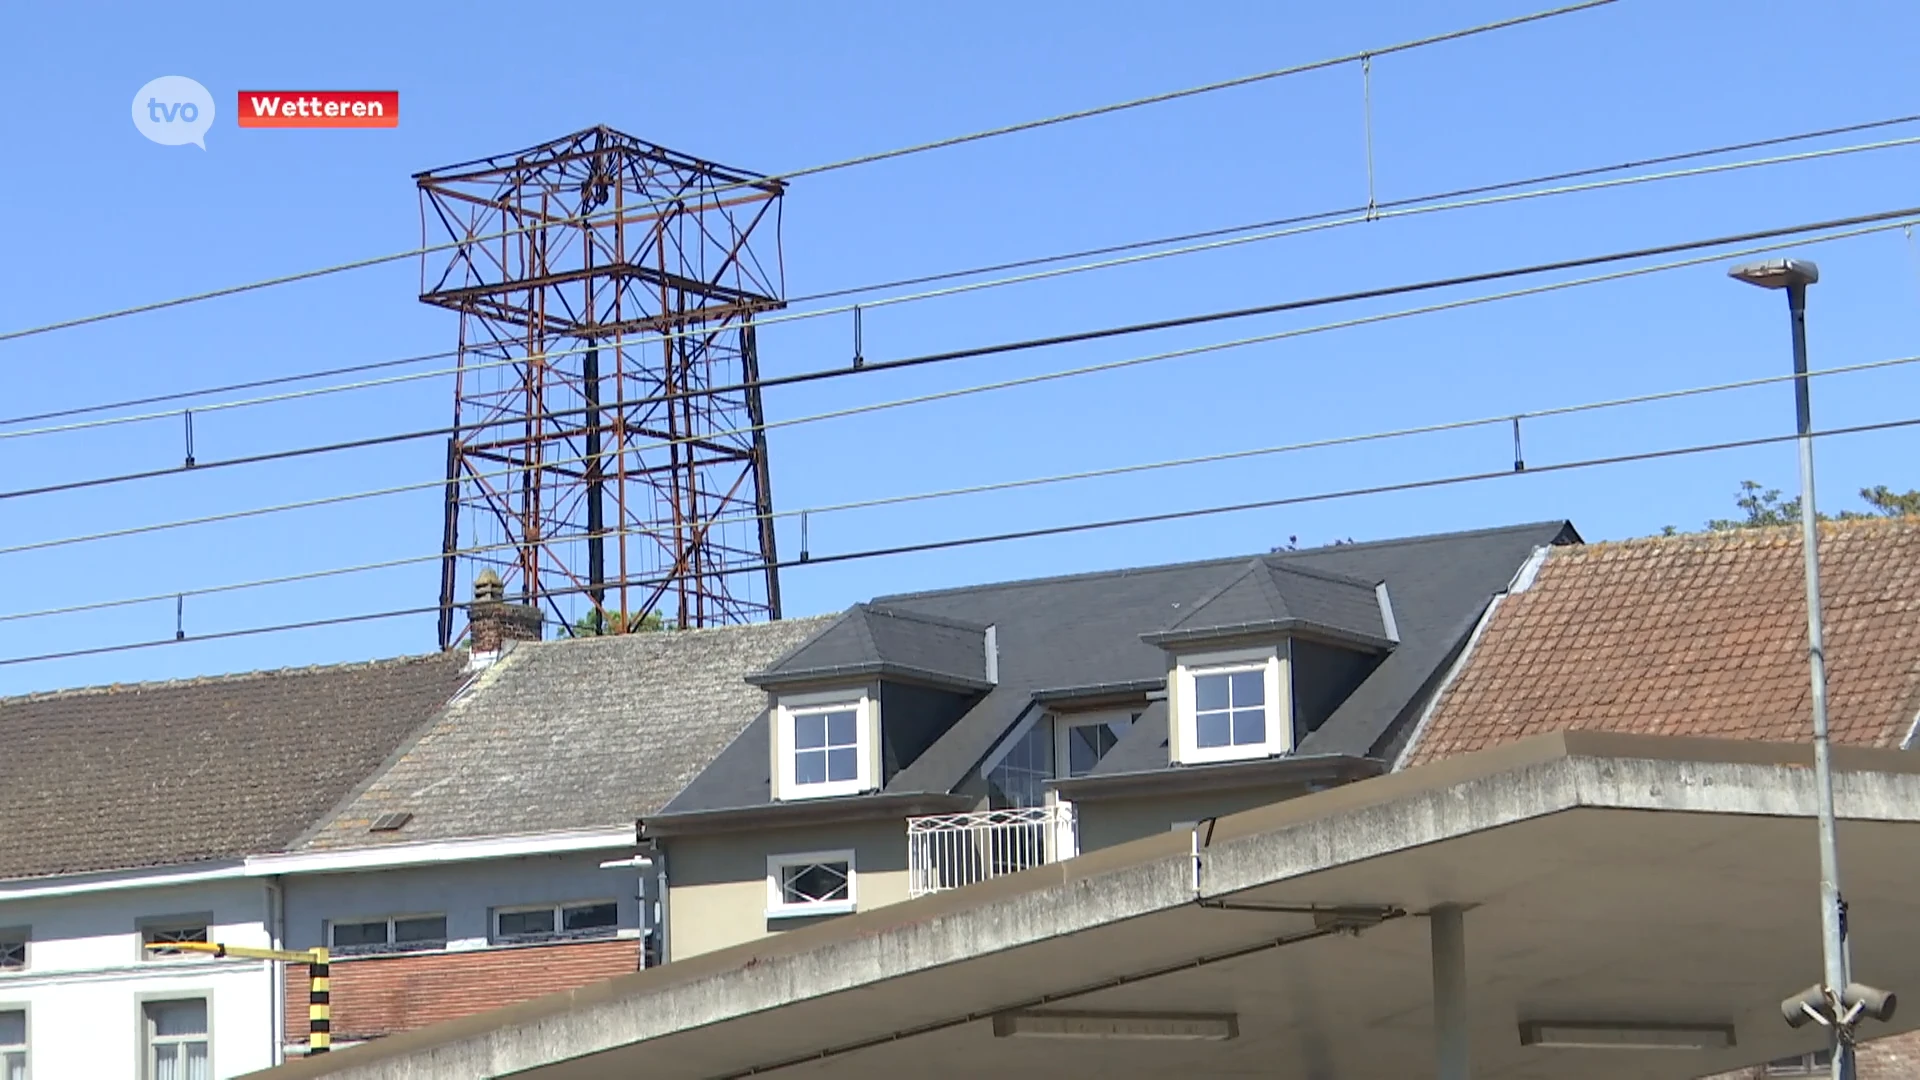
(822, 745)
(1230, 707)
(816, 883)
(1817, 1063)
(400, 933)
(13, 1044)
(157, 932)
(556, 922)
(1084, 739)
(177, 1047)
(13, 953)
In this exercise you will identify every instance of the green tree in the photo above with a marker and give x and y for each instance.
(1761, 507)
(596, 623)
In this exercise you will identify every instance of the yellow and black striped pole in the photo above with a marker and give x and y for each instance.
(319, 996)
(319, 1005)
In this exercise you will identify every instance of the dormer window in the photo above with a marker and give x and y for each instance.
(1231, 706)
(824, 745)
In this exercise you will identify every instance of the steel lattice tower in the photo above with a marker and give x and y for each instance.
(609, 454)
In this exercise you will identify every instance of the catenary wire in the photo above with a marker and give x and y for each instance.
(1003, 485)
(1317, 223)
(816, 170)
(1033, 533)
(1040, 260)
(1032, 343)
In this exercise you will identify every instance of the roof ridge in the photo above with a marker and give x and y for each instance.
(1226, 560)
(679, 634)
(1745, 536)
(1333, 576)
(910, 615)
(229, 676)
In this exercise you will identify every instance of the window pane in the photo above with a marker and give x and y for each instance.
(1020, 778)
(1249, 688)
(13, 954)
(1209, 692)
(813, 883)
(178, 1017)
(1249, 726)
(519, 923)
(166, 1063)
(810, 767)
(809, 731)
(1088, 743)
(1212, 729)
(197, 1061)
(843, 764)
(590, 916)
(351, 934)
(426, 928)
(13, 1028)
(13, 1065)
(840, 728)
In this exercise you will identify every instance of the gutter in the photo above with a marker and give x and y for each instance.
(1231, 776)
(432, 852)
(805, 812)
(774, 680)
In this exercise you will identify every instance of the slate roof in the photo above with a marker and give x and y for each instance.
(1279, 596)
(168, 773)
(1086, 630)
(870, 640)
(1697, 635)
(571, 734)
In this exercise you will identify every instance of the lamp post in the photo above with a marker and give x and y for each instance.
(1794, 275)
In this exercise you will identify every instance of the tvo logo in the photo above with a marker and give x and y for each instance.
(174, 110)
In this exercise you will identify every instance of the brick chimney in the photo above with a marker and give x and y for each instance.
(494, 622)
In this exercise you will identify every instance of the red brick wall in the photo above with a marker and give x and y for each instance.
(381, 995)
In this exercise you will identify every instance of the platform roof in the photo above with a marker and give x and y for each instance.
(1607, 878)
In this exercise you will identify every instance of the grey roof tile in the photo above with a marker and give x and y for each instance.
(875, 640)
(167, 773)
(572, 734)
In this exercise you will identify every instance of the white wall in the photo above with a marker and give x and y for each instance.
(463, 892)
(86, 980)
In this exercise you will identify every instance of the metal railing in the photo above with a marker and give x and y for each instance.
(947, 851)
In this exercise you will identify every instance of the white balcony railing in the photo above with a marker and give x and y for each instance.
(946, 851)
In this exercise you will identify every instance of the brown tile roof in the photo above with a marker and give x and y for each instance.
(1697, 635)
(156, 774)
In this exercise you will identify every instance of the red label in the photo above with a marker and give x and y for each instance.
(319, 108)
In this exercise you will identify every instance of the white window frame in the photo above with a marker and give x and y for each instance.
(25, 1047)
(148, 1040)
(1064, 722)
(22, 936)
(391, 945)
(777, 905)
(559, 912)
(171, 923)
(789, 705)
(1279, 726)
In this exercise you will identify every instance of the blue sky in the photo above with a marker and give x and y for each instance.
(104, 218)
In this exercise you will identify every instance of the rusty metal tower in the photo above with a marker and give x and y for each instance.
(609, 455)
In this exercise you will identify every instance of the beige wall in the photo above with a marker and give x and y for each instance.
(717, 885)
(1106, 822)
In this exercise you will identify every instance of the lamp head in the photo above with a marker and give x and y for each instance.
(1777, 273)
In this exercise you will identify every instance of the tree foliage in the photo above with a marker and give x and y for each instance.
(1761, 507)
(597, 623)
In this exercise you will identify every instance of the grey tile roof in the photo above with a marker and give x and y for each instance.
(1271, 594)
(1085, 630)
(158, 774)
(879, 640)
(575, 734)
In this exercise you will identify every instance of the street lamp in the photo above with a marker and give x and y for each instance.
(1835, 1002)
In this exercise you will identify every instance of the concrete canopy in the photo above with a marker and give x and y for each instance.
(1607, 878)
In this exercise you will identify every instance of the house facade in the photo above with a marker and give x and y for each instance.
(1704, 636)
(457, 830)
(923, 742)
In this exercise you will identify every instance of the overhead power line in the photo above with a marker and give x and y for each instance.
(833, 166)
(1238, 235)
(1033, 533)
(1003, 485)
(1886, 221)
